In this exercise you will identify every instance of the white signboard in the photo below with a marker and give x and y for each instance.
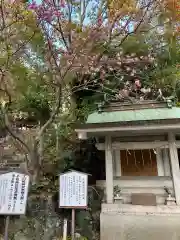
(13, 193)
(73, 190)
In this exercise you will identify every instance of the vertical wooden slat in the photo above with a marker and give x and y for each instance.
(136, 165)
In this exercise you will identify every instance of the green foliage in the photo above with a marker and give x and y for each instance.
(31, 97)
(136, 44)
(36, 105)
(87, 106)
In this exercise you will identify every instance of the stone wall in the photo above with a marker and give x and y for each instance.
(139, 227)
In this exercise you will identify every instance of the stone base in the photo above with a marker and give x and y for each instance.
(170, 201)
(145, 224)
(118, 200)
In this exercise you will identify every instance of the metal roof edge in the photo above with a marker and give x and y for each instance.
(134, 115)
(128, 123)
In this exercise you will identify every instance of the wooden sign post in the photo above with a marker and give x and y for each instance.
(73, 193)
(65, 229)
(13, 196)
(6, 228)
(73, 224)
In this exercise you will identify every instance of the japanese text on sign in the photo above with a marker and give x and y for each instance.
(73, 190)
(13, 193)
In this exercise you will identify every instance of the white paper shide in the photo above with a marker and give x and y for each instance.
(13, 193)
(73, 190)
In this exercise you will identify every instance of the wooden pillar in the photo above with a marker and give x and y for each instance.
(117, 163)
(167, 169)
(160, 165)
(114, 163)
(174, 166)
(109, 170)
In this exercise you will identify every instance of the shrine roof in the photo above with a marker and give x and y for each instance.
(134, 115)
(125, 117)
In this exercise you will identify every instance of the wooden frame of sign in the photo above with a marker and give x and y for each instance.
(73, 190)
(14, 187)
(73, 193)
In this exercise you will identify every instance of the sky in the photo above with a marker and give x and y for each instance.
(87, 20)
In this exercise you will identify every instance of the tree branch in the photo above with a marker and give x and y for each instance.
(14, 135)
(54, 113)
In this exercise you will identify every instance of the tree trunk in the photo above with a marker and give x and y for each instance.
(34, 165)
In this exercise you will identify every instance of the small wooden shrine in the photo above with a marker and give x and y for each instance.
(141, 157)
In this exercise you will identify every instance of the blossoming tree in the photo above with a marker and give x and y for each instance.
(59, 41)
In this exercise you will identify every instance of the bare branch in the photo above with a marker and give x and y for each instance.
(14, 135)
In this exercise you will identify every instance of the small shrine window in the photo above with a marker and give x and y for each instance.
(138, 162)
